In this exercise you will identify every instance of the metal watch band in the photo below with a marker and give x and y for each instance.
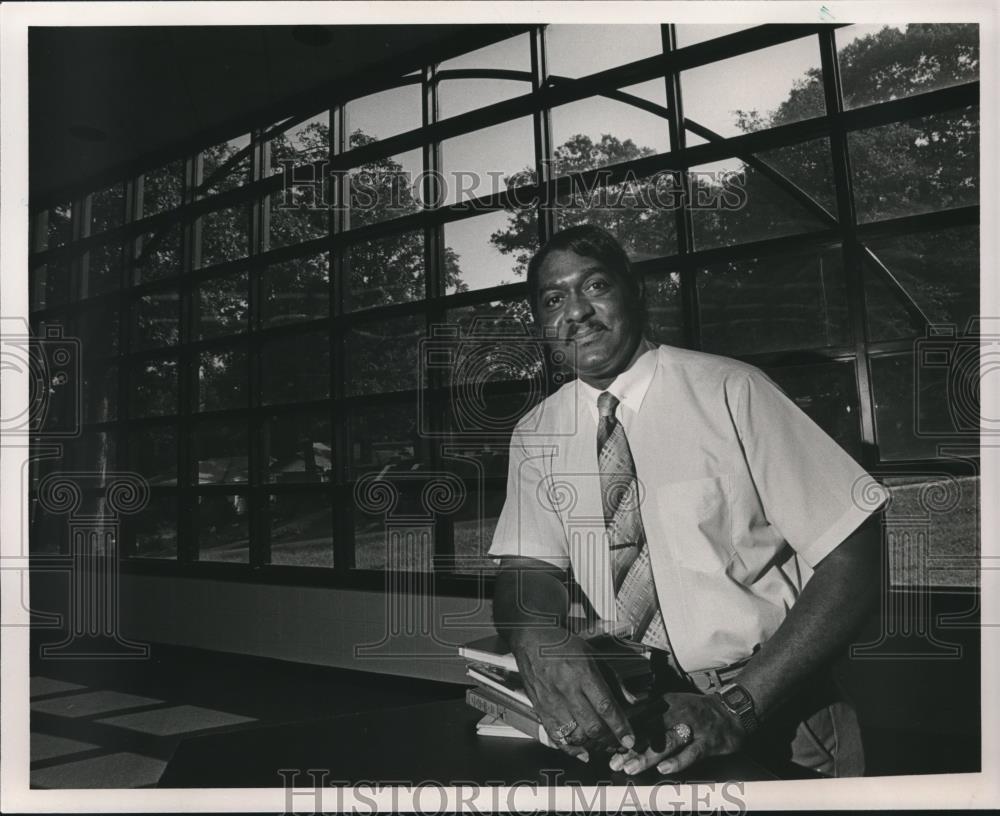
(745, 713)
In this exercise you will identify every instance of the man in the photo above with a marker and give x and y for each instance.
(725, 529)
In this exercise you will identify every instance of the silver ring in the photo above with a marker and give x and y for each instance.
(683, 732)
(564, 731)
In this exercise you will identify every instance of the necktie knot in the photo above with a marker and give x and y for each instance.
(606, 404)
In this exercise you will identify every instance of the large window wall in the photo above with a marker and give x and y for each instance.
(270, 323)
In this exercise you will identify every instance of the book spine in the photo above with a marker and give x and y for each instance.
(522, 722)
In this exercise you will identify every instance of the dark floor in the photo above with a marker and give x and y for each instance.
(116, 724)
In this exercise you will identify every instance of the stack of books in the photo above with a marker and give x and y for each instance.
(499, 692)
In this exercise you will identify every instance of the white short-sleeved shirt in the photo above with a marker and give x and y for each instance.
(741, 496)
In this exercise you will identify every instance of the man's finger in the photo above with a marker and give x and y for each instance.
(556, 718)
(682, 760)
(610, 713)
(590, 726)
(675, 740)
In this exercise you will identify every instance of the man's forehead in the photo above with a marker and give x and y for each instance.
(563, 266)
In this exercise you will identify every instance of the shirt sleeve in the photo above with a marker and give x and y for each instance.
(529, 524)
(812, 491)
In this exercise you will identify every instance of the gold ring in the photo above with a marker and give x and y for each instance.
(684, 732)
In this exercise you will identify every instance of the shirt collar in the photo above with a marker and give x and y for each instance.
(630, 386)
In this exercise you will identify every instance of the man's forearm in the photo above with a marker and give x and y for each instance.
(828, 613)
(530, 598)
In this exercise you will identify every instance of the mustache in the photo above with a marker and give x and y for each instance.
(590, 325)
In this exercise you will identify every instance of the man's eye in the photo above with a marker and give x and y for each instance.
(551, 301)
(599, 285)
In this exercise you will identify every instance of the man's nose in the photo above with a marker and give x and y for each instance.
(578, 308)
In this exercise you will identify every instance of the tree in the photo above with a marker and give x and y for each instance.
(925, 164)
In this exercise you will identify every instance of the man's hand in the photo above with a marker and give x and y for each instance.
(569, 693)
(711, 731)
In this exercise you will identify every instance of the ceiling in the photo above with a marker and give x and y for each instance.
(105, 100)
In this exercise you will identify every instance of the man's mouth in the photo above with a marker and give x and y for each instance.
(583, 334)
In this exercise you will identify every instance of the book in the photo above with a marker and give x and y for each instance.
(483, 675)
(523, 719)
(491, 726)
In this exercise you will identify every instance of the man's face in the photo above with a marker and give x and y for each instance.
(590, 309)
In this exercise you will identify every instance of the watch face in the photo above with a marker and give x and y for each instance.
(736, 697)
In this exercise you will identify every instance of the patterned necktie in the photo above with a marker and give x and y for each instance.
(635, 593)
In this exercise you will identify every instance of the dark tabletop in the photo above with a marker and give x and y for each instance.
(419, 743)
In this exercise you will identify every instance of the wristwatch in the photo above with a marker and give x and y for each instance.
(739, 703)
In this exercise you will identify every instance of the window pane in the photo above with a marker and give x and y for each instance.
(489, 250)
(153, 388)
(733, 203)
(599, 131)
(100, 392)
(385, 188)
(384, 114)
(728, 98)
(223, 529)
(97, 327)
(921, 165)
(385, 437)
(107, 209)
(807, 165)
(688, 34)
(220, 450)
(939, 270)
(638, 212)
(298, 447)
(94, 452)
(218, 174)
(153, 454)
(101, 270)
(383, 542)
(948, 513)
(665, 319)
(382, 355)
(295, 291)
(386, 270)
(305, 218)
(50, 286)
(915, 412)
(156, 320)
(60, 226)
(157, 254)
(494, 343)
(303, 143)
(296, 369)
(827, 392)
(222, 379)
(222, 306)
(225, 235)
(302, 529)
(883, 62)
(161, 189)
(474, 523)
(774, 304)
(155, 528)
(576, 50)
(476, 164)
(479, 426)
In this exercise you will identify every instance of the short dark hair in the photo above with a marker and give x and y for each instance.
(590, 241)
